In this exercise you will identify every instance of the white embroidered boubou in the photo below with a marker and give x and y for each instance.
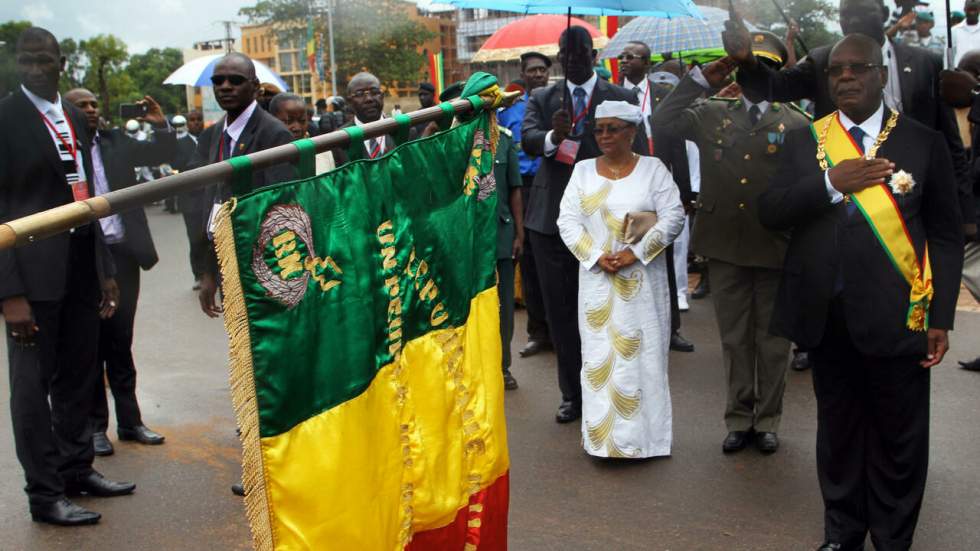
(901, 183)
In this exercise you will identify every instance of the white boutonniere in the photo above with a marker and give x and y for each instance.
(901, 183)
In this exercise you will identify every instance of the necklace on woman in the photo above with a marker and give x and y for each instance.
(616, 171)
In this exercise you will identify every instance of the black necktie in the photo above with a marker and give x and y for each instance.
(225, 145)
(858, 136)
(755, 114)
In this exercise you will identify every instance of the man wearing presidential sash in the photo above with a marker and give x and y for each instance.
(869, 285)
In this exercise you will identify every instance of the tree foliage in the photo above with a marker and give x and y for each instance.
(812, 16)
(74, 71)
(148, 72)
(9, 32)
(369, 35)
(106, 56)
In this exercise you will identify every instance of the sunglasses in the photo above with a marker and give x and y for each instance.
(628, 57)
(857, 69)
(235, 80)
(609, 129)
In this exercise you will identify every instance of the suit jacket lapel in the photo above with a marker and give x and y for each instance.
(903, 62)
(245, 139)
(770, 118)
(40, 132)
(216, 140)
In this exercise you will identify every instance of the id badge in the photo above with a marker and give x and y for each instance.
(567, 151)
(212, 218)
(79, 190)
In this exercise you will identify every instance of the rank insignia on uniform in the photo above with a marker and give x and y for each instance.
(772, 148)
(776, 138)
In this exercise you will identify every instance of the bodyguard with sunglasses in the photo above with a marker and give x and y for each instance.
(912, 88)
(244, 129)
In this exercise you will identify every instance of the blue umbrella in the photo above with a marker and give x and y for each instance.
(672, 35)
(653, 8)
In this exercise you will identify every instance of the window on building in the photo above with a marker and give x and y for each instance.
(286, 62)
(304, 86)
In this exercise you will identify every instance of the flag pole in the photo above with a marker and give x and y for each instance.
(37, 226)
(949, 37)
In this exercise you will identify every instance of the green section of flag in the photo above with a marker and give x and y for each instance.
(341, 270)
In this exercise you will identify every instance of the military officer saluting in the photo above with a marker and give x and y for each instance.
(740, 140)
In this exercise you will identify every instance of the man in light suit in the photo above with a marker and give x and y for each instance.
(114, 159)
(912, 88)
(558, 127)
(843, 297)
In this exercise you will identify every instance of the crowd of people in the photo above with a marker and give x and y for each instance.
(805, 190)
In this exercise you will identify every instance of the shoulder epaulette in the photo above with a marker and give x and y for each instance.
(719, 98)
(799, 110)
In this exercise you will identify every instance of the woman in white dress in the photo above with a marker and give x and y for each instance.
(624, 301)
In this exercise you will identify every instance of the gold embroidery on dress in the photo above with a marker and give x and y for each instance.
(614, 224)
(598, 317)
(626, 346)
(583, 246)
(654, 246)
(627, 286)
(598, 375)
(625, 406)
(598, 433)
(612, 450)
(590, 202)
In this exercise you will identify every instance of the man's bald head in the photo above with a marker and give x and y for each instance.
(860, 44)
(363, 78)
(85, 100)
(238, 62)
(36, 36)
(78, 93)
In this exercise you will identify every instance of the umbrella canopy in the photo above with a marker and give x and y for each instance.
(537, 33)
(197, 72)
(682, 34)
(653, 8)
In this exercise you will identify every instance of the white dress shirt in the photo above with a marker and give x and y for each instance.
(643, 93)
(871, 128)
(369, 145)
(589, 87)
(112, 226)
(55, 114)
(237, 126)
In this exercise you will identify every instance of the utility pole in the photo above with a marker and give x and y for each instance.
(229, 40)
(326, 6)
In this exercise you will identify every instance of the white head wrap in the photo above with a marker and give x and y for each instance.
(621, 110)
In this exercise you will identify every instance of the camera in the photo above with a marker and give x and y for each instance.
(133, 110)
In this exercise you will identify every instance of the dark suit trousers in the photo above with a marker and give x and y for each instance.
(558, 275)
(116, 350)
(197, 238)
(675, 307)
(505, 292)
(537, 323)
(872, 440)
(53, 440)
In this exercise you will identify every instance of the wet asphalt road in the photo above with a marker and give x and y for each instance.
(561, 499)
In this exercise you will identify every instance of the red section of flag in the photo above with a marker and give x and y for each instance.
(612, 27)
(480, 526)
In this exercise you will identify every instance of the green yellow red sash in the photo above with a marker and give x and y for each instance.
(879, 208)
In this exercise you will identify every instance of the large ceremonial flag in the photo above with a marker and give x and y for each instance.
(437, 72)
(363, 320)
(310, 46)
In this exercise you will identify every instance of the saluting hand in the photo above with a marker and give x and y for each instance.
(738, 40)
(853, 175)
(716, 72)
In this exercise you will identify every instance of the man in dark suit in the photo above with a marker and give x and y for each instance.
(558, 127)
(367, 99)
(53, 291)
(115, 157)
(244, 129)
(912, 88)
(844, 298)
(191, 203)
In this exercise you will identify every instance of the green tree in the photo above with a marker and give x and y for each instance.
(368, 34)
(74, 71)
(812, 16)
(106, 56)
(148, 72)
(9, 31)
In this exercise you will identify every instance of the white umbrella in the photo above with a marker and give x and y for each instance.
(197, 72)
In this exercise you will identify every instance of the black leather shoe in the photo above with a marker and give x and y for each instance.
(94, 484)
(533, 347)
(510, 383)
(736, 441)
(801, 361)
(831, 547)
(971, 366)
(568, 412)
(703, 288)
(679, 343)
(238, 489)
(767, 442)
(141, 434)
(102, 445)
(63, 513)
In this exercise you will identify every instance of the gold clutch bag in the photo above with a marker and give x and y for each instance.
(636, 225)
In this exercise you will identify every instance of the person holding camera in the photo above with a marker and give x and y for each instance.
(114, 159)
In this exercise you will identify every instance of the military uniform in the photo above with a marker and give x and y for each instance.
(507, 172)
(738, 156)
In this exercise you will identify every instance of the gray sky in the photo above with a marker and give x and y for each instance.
(145, 24)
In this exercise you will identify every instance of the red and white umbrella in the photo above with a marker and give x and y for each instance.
(537, 33)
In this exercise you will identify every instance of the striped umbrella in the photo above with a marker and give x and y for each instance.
(681, 34)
